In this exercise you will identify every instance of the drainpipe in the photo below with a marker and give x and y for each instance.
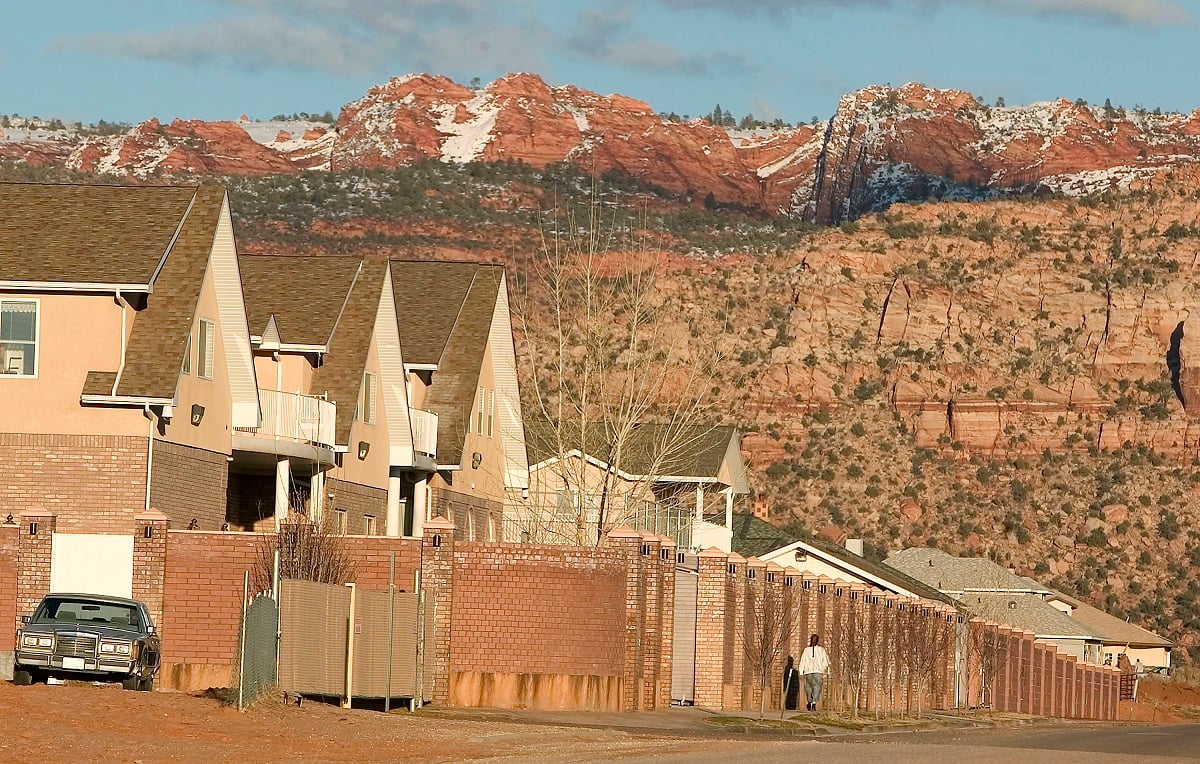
(149, 452)
(121, 363)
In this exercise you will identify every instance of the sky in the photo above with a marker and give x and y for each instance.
(129, 60)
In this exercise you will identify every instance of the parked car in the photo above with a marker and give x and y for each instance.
(88, 636)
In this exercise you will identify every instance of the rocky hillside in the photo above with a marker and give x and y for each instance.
(883, 145)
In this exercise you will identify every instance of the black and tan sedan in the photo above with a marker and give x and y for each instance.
(88, 636)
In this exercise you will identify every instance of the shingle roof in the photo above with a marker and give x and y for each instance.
(753, 537)
(957, 574)
(305, 294)
(696, 451)
(1110, 628)
(1026, 611)
(341, 373)
(445, 315)
(89, 234)
(429, 298)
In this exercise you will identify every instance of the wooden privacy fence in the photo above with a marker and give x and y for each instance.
(338, 641)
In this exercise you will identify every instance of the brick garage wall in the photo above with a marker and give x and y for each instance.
(8, 586)
(202, 605)
(93, 483)
(521, 608)
(357, 501)
(189, 484)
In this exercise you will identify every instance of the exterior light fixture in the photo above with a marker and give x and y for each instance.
(476, 460)
(197, 414)
(363, 449)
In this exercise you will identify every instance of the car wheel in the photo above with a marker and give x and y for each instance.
(146, 685)
(131, 682)
(22, 677)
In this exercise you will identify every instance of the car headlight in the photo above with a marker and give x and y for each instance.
(115, 648)
(37, 641)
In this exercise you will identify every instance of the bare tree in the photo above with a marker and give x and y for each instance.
(310, 551)
(856, 652)
(924, 642)
(985, 655)
(767, 629)
(614, 376)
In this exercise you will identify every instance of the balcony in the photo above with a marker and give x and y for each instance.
(293, 425)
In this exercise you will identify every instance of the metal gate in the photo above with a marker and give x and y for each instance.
(258, 654)
(683, 668)
(334, 641)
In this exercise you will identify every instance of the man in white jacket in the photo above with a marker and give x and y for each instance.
(813, 665)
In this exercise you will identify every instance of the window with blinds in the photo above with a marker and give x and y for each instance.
(366, 399)
(18, 337)
(205, 341)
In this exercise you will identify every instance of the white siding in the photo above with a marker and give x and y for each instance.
(243, 385)
(393, 378)
(508, 394)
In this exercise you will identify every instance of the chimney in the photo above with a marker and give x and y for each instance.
(855, 546)
(760, 507)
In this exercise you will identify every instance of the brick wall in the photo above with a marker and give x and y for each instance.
(9, 622)
(189, 484)
(34, 547)
(474, 518)
(250, 502)
(371, 557)
(92, 484)
(537, 609)
(357, 501)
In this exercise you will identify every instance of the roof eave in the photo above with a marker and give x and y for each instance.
(75, 286)
(124, 400)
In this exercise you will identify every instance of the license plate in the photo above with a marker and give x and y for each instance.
(73, 663)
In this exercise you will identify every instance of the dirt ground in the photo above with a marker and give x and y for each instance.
(1162, 701)
(82, 722)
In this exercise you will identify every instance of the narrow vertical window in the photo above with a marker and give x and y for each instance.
(366, 399)
(491, 412)
(479, 412)
(205, 340)
(18, 337)
(187, 356)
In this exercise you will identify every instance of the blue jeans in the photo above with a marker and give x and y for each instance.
(812, 687)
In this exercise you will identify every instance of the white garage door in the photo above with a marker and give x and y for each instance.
(92, 563)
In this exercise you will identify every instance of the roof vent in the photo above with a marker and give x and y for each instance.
(1012, 604)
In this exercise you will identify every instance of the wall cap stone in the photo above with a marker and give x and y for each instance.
(711, 552)
(437, 524)
(616, 533)
(151, 515)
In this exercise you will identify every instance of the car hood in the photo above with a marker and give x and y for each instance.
(100, 630)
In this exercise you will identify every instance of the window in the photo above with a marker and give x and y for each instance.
(366, 399)
(187, 356)
(479, 413)
(372, 525)
(206, 336)
(339, 521)
(491, 412)
(18, 337)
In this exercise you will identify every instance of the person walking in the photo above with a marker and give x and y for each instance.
(791, 685)
(813, 665)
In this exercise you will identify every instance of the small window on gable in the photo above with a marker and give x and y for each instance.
(366, 399)
(187, 356)
(491, 412)
(18, 337)
(205, 341)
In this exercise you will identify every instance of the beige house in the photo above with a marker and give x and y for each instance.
(125, 363)
(461, 366)
(338, 438)
(1117, 637)
(680, 482)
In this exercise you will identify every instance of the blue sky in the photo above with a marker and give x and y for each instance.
(129, 60)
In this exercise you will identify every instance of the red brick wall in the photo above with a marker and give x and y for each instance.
(189, 484)
(371, 556)
(33, 561)
(202, 594)
(92, 483)
(537, 609)
(8, 586)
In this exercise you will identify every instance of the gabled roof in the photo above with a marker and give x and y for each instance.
(753, 537)
(305, 295)
(445, 314)
(691, 451)
(1110, 628)
(341, 373)
(88, 234)
(960, 574)
(1029, 612)
(157, 342)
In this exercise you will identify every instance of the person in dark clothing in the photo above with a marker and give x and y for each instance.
(791, 685)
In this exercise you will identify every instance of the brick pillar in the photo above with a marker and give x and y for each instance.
(710, 628)
(1070, 707)
(628, 543)
(150, 560)
(666, 652)
(651, 642)
(33, 560)
(890, 615)
(874, 651)
(9, 545)
(775, 585)
(756, 593)
(437, 582)
(735, 630)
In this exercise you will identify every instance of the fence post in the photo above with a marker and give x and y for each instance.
(242, 645)
(348, 702)
(387, 700)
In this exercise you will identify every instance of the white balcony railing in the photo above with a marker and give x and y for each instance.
(424, 427)
(302, 418)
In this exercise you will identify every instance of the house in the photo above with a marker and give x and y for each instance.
(678, 481)
(755, 537)
(1116, 636)
(997, 594)
(125, 364)
(456, 332)
(338, 439)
